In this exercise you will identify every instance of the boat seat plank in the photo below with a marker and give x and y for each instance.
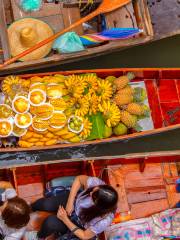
(70, 16)
(57, 16)
(55, 21)
(123, 17)
(47, 9)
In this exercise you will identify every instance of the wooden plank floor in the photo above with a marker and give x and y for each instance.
(145, 193)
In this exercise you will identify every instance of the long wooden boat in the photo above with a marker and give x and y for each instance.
(145, 184)
(146, 15)
(163, 87)
(61, 15)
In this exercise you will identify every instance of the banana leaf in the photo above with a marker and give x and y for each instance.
(98, 126)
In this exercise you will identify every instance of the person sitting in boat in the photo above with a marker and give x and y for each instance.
(78, 216)
(14, 213)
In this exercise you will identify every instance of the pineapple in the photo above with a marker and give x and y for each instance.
(123, 81)
(136, 109)
(123, 99)
(128, 90)
(128, 119)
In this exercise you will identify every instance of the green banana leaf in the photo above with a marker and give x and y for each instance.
(98, 126)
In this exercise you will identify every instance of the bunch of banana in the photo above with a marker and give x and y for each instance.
(105, 90)
(93, 100)
(81, 106)
(74, 87)
(12, 85)
(91, 80)
(87, 129)
(110, 112)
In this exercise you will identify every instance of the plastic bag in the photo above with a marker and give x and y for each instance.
(68, 43)
(29, 5)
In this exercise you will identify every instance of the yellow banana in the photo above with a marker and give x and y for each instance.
(68, 136)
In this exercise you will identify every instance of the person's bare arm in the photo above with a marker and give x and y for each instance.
(79, 182)
(81, 234)
(5, 184)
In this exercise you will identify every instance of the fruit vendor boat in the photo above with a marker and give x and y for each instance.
(145, 184)
(50, 120)
(135, 14)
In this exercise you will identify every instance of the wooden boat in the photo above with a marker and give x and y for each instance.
(148, 17)
(60, 16)
(146, 184)
(163, 87)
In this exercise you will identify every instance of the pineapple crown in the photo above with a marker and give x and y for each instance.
(139, 94)
(130, 75)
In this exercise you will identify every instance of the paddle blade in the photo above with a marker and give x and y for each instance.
(110, 5)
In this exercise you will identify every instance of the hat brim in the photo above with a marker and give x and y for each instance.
(43, 31)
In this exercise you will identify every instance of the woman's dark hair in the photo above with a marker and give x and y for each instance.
(105, 200)
(16, 213)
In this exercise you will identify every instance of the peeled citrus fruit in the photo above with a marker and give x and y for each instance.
(23, 120)
(18, 132)
(5, 128)
(20, 104)
(37, 97)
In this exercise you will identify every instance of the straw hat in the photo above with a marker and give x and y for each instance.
(25, 33)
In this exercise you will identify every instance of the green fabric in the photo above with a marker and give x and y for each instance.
(30, 5)
(68, 43)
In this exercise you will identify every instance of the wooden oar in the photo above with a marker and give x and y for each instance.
(105, 6)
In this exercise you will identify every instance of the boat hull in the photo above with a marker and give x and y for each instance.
(162, 138)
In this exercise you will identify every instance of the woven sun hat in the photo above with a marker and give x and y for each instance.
(25, 33)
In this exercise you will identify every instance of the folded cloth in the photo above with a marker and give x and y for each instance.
(162, 222)
(68, 43)
(157, 227)
(176, 224)
(8, 194)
